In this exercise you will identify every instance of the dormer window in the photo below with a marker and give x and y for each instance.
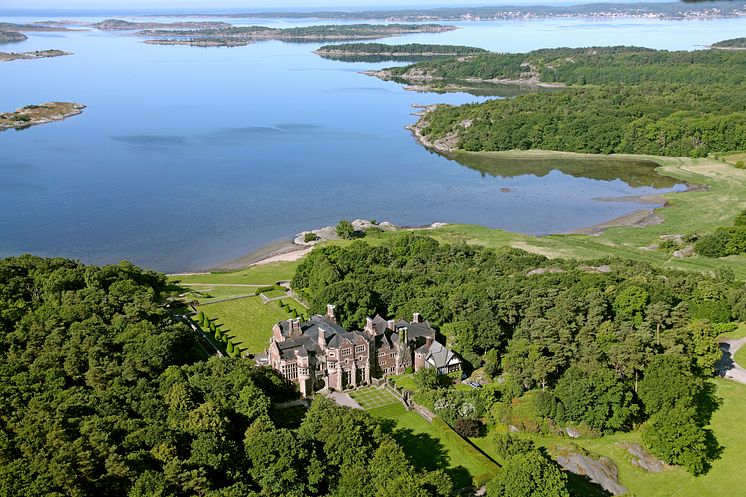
(346, 351)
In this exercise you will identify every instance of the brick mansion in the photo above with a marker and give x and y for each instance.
(320, 353)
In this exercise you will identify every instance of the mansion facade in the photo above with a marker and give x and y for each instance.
(320, 353)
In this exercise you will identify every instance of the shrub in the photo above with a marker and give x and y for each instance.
(741, 217)
(310, 237)
(507, 445)
(345, 230)
(468, 427)
(200, 317)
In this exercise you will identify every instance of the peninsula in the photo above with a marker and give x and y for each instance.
(616, 100)
(33, 115)
(244, 35)
(39, 54)
(732, 44)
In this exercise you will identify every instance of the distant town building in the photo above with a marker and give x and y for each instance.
(320, 353)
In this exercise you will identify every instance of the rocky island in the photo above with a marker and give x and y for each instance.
(732, 44)
(11, 37)
(39, 54)
(244, 35)
(33, 115)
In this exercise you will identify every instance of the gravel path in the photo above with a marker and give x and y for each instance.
(726, 367)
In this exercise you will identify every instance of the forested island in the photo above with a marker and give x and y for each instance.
(615, 100)
(34, 115)
(243, 35)
(39, 54)
(380, 52)
(663, 10)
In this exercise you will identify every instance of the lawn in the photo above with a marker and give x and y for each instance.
(266, 274)
(429, 446)
(205, 294)
(724, 479)
(247, 320)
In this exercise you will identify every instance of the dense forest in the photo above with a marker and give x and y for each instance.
(606, 346)
(104, 392)
(618, 100)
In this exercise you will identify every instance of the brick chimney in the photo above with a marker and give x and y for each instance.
(416, 318)
(322, 339)
(330, 313)
(294, 326)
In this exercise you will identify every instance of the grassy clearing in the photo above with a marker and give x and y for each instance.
(427, 445)
(247, 320)
(725, 477)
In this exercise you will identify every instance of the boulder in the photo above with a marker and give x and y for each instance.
(572, 432)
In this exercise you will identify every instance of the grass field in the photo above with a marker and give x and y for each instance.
(247, 320)
(205, 294)
(726, 478)
(424, 443)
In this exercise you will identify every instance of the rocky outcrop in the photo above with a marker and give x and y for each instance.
(600, 470)
(643, 459)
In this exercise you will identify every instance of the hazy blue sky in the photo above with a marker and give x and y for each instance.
(259, 4)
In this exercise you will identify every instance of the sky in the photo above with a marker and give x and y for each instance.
(264, 4)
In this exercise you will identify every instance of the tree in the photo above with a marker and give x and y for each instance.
(668, 381)
(345, 230)
(427, 379)
(630, 304)
(592, 394)
(674, 435)
(529, 474)
(468, 427)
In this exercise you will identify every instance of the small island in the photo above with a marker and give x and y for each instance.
(244, 35)
(33, 115)
(39, 54)
(372, 52)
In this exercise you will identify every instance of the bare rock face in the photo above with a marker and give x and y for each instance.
(601, 471)
(643, 459)
(545, 270)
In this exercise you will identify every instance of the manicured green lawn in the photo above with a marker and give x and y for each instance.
(424, 444)
(274, 294)
(737, 334)
(249, 320)
(205, 294)
(726, 478)
(266, 274)
(740, 357)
